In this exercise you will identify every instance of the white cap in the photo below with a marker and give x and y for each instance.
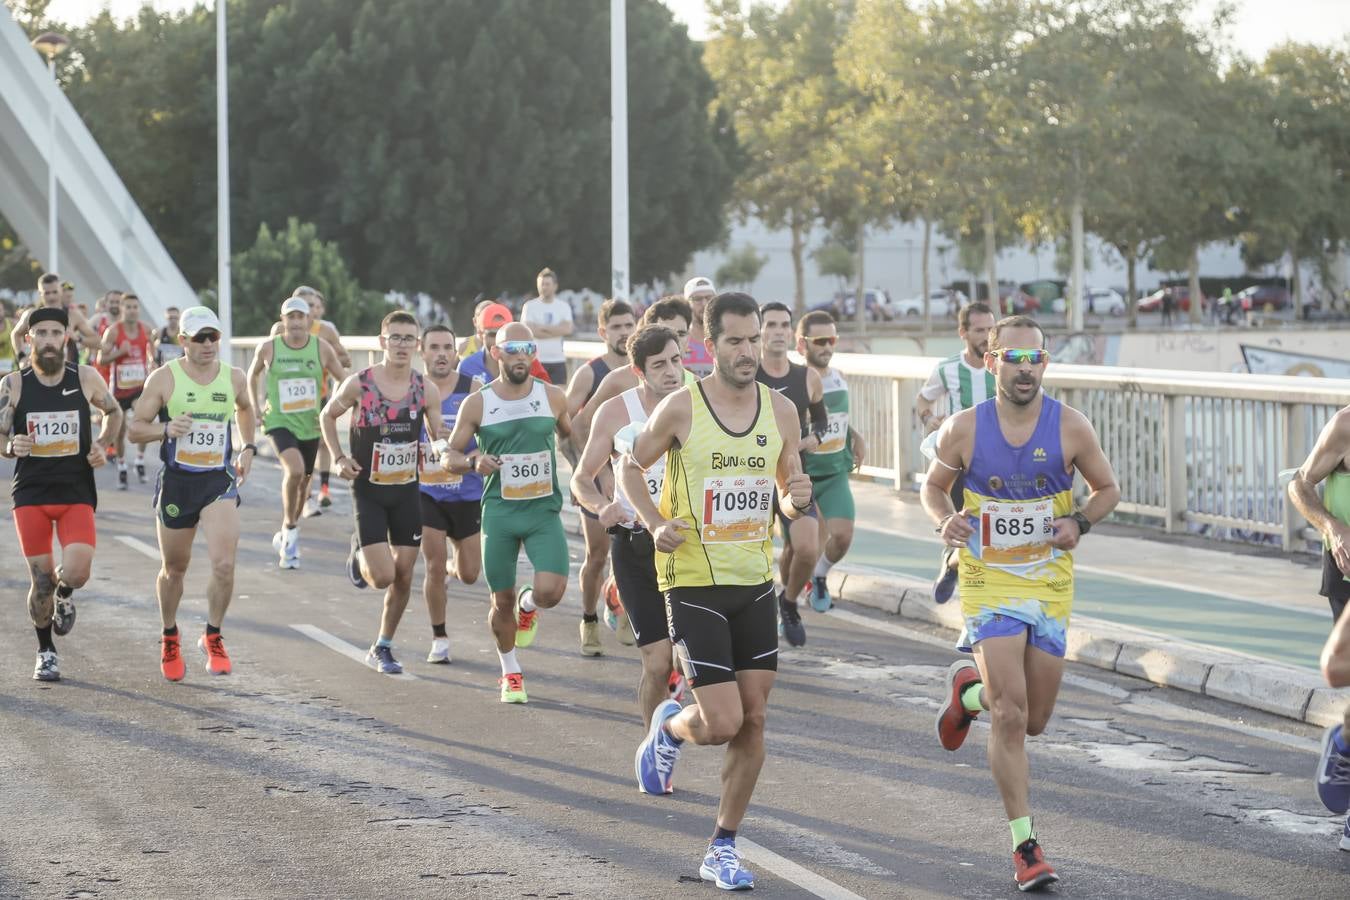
(198, 318)
(698, 285)
(295, 304)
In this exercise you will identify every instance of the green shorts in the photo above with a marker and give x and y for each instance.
(504, 532)
(834, 496)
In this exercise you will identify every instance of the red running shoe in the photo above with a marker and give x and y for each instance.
(171, 658)
(1030, 869)
(953, 720)
(217, 660)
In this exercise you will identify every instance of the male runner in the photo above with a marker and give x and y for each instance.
(44, 426)
(1015, 531)
(167, 347)
(616, 326)
(655, 352)
(473, 343)
(451, 502)
(482, 364)
(295, 364)
(801, 385)
(78, 333)
(550, 320)
(198, 485)
(726, 442)
(839, 452)
(964, 381)
(698, 291)
(390, 401)
(1329, 463)
(515, 418)
(125, 352)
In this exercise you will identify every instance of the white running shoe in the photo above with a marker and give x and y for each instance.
(440, 651)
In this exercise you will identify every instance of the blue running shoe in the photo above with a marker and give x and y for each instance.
(946, 580)
(381, 659)
(722, 866)
(820, 594)
(1333, 773)
(655, 759)
(354, 564)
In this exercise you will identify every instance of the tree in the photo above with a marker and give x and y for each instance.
(834, 260)
(741, 268)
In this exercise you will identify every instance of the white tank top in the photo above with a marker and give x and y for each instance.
(623, 445)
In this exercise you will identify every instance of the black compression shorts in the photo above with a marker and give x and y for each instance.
(723, 629)
(284, 439)
(634, 558)
(388, 514)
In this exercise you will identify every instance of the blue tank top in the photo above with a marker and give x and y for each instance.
(600, 369)
(468, 486)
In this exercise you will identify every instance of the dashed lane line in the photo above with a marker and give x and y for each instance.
(340, 646)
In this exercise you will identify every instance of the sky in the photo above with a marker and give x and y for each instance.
(1260, 24)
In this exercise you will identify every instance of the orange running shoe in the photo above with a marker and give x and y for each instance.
(1030, 869)
(953, 719)
(217, 660)
(170, 659)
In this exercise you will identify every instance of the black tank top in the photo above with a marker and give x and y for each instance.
(600, 368)
(792, 385)
(384, 433)
(57, 418)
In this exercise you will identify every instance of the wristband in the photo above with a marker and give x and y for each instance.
(253, 447)
(802, 509)
(943, 524)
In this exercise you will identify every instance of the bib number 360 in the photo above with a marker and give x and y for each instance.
(527, 476)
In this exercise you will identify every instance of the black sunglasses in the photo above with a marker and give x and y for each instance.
(206, 337)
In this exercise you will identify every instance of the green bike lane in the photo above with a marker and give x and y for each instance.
(1288, 636)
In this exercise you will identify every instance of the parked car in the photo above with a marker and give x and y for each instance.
(1100, 301)
(943, 301)
(844, 305)
(1153, 302)
(1263, 298)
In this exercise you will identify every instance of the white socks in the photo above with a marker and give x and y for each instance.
(527, 601)
(823, 566)
(509, 664)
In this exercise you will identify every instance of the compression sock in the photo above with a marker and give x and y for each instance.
(971, 697)
(1021, 831)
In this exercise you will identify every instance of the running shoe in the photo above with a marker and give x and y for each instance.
(48, 667)
(1345, 835)
(654, 762)
(722, 866)
(527, 623)
(1030, 870)
(513, 688)
(616, 617)
(213, 648)
(953, 719)
(381, 659)
(946, 579)
(678, 686)
(63, 613)
(171, 658)
(140, 471)
(354, 564)
(1333, 773)
(590, 639)
(820, 594)
(440, 651)
(325, 500)
(791, 617)
(122, 478)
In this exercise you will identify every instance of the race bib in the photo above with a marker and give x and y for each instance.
(655, 477)
(836, 434)
(393, 463)
(527, 476)
(298, 395)
(130, 375)
(430, 464)
(54, 433)
(736, 509)
(1016, 533)
(203, 447)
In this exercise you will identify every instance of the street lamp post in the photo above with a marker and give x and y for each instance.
(51, 45)
(618, 149)
(224, 299)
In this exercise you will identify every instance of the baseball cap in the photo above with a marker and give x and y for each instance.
(200, 318)
(698, 285)
(494, 317)
(295, 304)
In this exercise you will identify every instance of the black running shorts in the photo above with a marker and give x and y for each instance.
(1334, 586)
(180, 497)
(634, 556)
(459, 519)
(388, 514)
(284, 439)
(723, 629)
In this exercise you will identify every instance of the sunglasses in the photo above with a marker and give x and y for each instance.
(1017, 357)
(206, 337)
(514, 348)
(823, 341)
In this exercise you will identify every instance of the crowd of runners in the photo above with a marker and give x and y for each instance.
(688, 438)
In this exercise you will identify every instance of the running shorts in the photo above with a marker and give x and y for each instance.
(284, 439)
(1043, 632)
(1334, 586)
(634, 556)
(127, 402)
(180, 497)
(387, 514)
(834, 496)
(503, 534)
(459, 519)
(74, 525)
(723, 629)
(812, 511)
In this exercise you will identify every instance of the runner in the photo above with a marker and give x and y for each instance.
(550, 320)
(473, 343)
(44, 426)
(1018, 453)
(616, 326)
(727, 440)
(655, 353)
(294, 365)
(963, 381)
(515, 418)
(698, 291)
(482, 364)
(801, 385)
(839, 452)
(198, 484)
(451, 503)
(390, 402)
(107, 312)
(125, 351)
(167, 347)
(1329, 464)
(77, 334)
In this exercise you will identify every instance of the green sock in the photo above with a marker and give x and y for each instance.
(1021, 831)
(970, 698)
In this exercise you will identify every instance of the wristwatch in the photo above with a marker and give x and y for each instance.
(1084, 523)
(253, 447)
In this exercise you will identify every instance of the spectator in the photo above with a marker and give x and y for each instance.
(550, 320)
(1169, 303)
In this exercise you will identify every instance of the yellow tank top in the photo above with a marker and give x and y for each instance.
(722, 486)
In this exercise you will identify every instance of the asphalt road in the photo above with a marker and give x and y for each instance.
(307, 774)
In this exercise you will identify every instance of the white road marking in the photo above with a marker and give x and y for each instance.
(787, 869)
(140, 546)
(341, 646)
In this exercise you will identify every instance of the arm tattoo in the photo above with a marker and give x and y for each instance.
(104, 401)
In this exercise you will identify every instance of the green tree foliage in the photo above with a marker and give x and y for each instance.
(741, 268)
(834, 260)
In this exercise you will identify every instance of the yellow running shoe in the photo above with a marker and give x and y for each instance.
(513, 688)
(590, 639)
(527, 623)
